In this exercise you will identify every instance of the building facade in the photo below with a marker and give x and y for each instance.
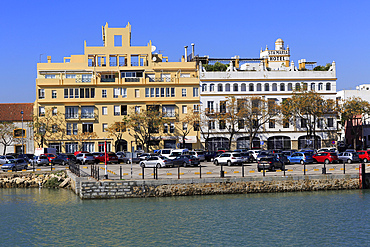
(107, 83)
(272, 77)
(19, 116)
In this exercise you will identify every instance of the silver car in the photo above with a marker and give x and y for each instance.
(229, 159)
(40, 160)
(199, 154)
(15, 165)
(5, 158)
(349, 157)
(85, 158)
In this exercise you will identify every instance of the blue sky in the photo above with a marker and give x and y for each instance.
(321, 31)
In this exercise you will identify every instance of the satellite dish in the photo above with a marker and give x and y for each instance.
(153, 48)
(154, 59)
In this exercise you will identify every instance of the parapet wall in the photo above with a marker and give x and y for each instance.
(88, 188)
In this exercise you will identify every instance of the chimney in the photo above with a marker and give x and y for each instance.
(186, 53)
(49, 59)
(192, 49)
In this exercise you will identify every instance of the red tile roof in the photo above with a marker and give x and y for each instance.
(12, 112)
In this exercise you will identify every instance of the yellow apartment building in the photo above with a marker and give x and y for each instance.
(107, 83)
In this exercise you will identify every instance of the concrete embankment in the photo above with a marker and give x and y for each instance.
(89, 188)
(35, 180)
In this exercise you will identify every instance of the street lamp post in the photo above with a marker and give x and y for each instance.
(22, 133)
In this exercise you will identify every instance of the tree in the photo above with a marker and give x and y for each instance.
(7, 135)
(145, 125)
(323, 68)
(204, 129)
(117, 130)
(216, 67)
(353, 111)
(187, 123)
(82, 137)
(255, 112)
(309, 107)
(51, 125)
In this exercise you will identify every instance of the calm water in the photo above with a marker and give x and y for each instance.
(33, 217)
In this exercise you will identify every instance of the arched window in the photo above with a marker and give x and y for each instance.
(227, 87)
(212, 87)
(251, 87)
(267, 87)
(204, 88)
(220, 87)
(236, 88)
(259, 87)
(313, 86)
(282, 87)
(328, 86)
(274, 87)
(298, 86)
(320, 86)
(243, 87)
(290, 87)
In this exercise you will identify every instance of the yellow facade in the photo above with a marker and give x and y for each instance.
(107, 82)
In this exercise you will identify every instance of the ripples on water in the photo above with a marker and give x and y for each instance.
(33, 217)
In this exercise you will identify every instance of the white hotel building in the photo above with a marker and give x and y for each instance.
(272, 76)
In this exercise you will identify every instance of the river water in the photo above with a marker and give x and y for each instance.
(43, 217)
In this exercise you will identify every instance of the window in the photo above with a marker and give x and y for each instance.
(71, 112)
(220, 87)
(54, 111)
(87, 112)
(104, 127)
(41, 111)
(103, 93)
(86, 78)
(71, 128)
(167, 92)
(102, 147)
(241, 124)
(116, 110)
(274, 87)
(251, 87)
(137, 109)
(285, 123)
(49, 76)
(169, 111)
(227, 88)
(196, 126)
(222, 106)
(41, 93)
(147, 92)
(17, 133)
(137, 93)
(124, 92)
(65, 93)
(104, 110)
(303, 123)
(210, 105)
(204, 88)
(172, 92)
(54, 94)
(82, 92)
(157, 92)
(162, 91)
(211, 124)
(320, 87)
(116, 92)
(243, 87)
(71, 147)
(320, 123)
(71, 93)
(222, 124)
(87, 128)
(185, 126)
(152, 94)
(298, 86)
(165, 128)
(272, 123)
(54, 128)
(282, 87)
(267, 87)
(236, 88)
(328, 86)
(313, 86)
(77, 93)
(330, 122)
(212, 87)
(184, 109)
(196, 108)
(290, 87)
(183, 92)
(259, 87)
(88, 146)
(87, 93)
(123, 109)
(92, 93)
(172, 127)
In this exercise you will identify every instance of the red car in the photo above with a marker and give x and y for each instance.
(50, 156)
(326, 157)
(111, 158)
(364, 155)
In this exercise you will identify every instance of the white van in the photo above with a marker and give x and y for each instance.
(178, 152)
(165, 152)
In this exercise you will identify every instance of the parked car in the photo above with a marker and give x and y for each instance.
(364, 155)
(269, 163)
(6, 158)
(85, 158)
(247, 157)
(79, 152)
(254, 153)
(334, 150)
(264, 153)
(210, 155)
(186, 160)
(96, 154)
(229, 159)
(15, 165)
(63, 159)
(165, 152)
(122, 158)
(111, 158)
(326, 157)
(301, 157)
(50, 156)
(349, 157)
(144, 156)
(198, 154)
(40, 160)
(26, 157)
(156, 161)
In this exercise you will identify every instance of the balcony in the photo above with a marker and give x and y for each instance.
(72, 116)
(169, 114)
(87, 115)
(107, 79)
(133, 79)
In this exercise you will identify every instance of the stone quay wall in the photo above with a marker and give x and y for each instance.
(89, 188)
(34, 180)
